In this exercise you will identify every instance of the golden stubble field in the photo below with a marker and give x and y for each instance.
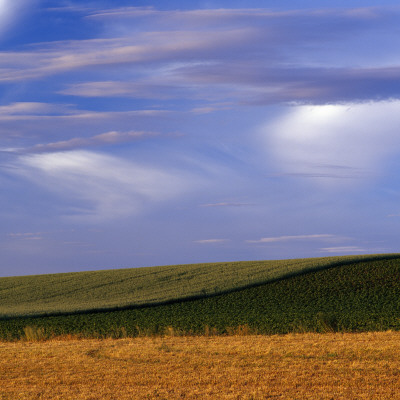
(295, 366)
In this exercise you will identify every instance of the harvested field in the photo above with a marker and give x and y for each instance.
(294, 366)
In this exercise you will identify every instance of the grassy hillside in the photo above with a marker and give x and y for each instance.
(362, 296)
(81, 291)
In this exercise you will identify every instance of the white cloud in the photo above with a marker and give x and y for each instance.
(239, 55)
(225, 204)
(344, 249)
(47, 127)
(11, 11)
(33, 108)
(148, 47)
(111, 137)
(345, 141)
(156, 87)
(26, 235)
(294, 237)
(219, 15)
(22, 111)
(211, 241)
(187, 15)
(101, 89)
(104, 187)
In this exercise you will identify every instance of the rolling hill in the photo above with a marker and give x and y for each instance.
(121, 288)
(332, 294)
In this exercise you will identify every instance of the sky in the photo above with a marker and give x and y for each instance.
(141, 133)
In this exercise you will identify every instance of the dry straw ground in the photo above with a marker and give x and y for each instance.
(295, 366)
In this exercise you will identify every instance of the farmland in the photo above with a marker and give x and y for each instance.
(352, 297)
(110, 289)
(295, 366)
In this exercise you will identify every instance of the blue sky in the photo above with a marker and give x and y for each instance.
(138, 133)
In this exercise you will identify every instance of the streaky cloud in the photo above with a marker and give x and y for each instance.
(226, 204)
(106, 138)
(249, 63)
(211, 241)
(33, 108)
(293, 237)
(345, 249)
(106, 187)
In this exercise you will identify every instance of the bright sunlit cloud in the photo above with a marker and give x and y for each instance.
(5, 14)
(340, 143)
(11, 11)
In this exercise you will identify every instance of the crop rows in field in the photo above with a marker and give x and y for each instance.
(363, 296)
(110, 289)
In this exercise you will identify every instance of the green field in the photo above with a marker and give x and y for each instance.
(361, 295)
(110, 289)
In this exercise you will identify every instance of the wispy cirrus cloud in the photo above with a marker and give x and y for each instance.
(196, 17)
(276, 239)
(47, 111)
(26, 235)
(104, 186)
(188, 16)
(26, 108)
(270, 75)
(226, 204)
(146, 88)
(254, 84)
(106, 138)
(192, 60)
(155, 47)
(211, 241)
(38, 124)
(345, 249)
(260, 84)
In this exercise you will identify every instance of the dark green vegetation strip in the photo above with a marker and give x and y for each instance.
(113, 289)
(354, 297)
